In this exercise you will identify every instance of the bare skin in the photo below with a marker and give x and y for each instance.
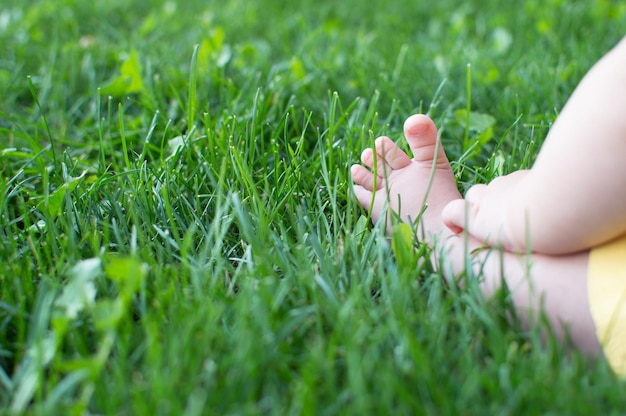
(398, 175)
(556, 285)
(574, 197)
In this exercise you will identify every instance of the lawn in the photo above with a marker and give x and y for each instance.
(177, 229)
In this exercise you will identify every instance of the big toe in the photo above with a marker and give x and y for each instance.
(421, 134)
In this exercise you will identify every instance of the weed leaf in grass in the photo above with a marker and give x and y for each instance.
(129, 81)
(54, 203)
(78, 295)
(480, 126)
(80, 292)
(402, 245)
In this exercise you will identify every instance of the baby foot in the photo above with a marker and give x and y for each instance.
(403, 185)
(484, 213)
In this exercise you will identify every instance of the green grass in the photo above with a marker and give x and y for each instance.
(177, 231)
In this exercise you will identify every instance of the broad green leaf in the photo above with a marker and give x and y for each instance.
(402, 244)
(14, 153)
(484, 135)
(502, 39)
(175, 144)
(107, 313)
(213, 51)
(297, 68)
(361, 226)
(55, 201)
(127, 271)
(80, 292)
(38, 356)
(129, 81)
(478, 122)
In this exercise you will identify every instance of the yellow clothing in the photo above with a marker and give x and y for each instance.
(606, 285)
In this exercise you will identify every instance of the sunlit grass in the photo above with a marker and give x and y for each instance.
(177, 231)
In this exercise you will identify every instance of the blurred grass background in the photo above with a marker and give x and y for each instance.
(177, 233)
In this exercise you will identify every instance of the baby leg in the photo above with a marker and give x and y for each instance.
(574, 197)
